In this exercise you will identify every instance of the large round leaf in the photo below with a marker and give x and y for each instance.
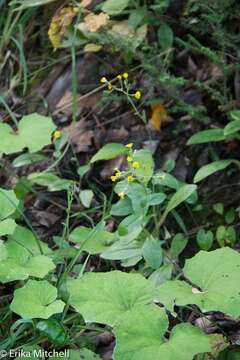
(141, 336)
(37, 299)
(106, 297)
(215, 276)
(34, 132)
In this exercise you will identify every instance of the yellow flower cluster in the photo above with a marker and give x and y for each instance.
(138, 95)
(57, 135)
(116, 176)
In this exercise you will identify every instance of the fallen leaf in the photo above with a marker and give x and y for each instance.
(80, 136)
(159, 115)
(85, 3)
(94, 22)
(59, 24)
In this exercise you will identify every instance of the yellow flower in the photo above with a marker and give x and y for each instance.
(110, 87)
(125, 75)
(129, 146)
(129, 159)
(119, 77)
(103, 80)
(114, 178)
(57, 134)
(138, 95)
(136, 165)
(130, 178)
(121, 195)
(118, 174)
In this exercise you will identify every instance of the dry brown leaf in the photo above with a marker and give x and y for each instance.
(80, 136)
(85, 3)
(59, 24)
(159, 115)
(94, 22)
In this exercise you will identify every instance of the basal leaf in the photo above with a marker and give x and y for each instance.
(37, 299)
(211, 168)
(106, 297)
(96, 243)
(34, 132)
(140, 335)
(113, 7)
(206, 136)
(109, 151)
(215, 276)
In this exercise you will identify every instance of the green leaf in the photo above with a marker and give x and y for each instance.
(7, 227)
(96, 243)
(136, 17)
(152, 252)
(25, 238)
(145, 159)
(109, 151)
(180, 196)
(235, 115)
(23, 257)
(113, 7)
(211, 168)
(205, 239)
(34, 132)
(9, 203)
(27, 159)
(165, 179)
(140, 335)
(178, 244)
(50, 180)
(24, 4)
(106, 297)
(165, 36)
(86, 197)
(123, 249)
(162, 274)
(232, 127)
(216, 274)
(37, 299)
(155, 199)
(219, 208)
(122, 208)
(20, 264)
(206, 136)
(53, 330)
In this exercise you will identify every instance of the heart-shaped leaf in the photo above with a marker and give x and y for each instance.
(216, 277)
(140, 335)
(37, 299)
(34, 132)
(205, 239)
(106, 297)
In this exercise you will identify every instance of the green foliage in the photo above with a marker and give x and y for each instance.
(216, 283)
(109, 151)
(141, 335)
(107, 297)
(36, 299)
(34, 132)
